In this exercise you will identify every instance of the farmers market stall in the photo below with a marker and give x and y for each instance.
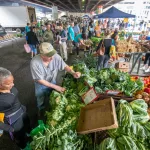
(113, 13)
(70, 117)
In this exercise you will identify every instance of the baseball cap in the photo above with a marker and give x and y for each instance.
(47, 49)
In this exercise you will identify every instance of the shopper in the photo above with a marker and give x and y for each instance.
(79, 40)
(115, 36)
(91, 30)
(16, 120)
(147, 59)
(44, 69)
(62, 42)
(71, 36)
(48, 34)
(98, 30)
(76, 29)
(103, 59)
(32, 40)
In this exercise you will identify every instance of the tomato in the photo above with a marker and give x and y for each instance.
(145, 83)
(136, 77)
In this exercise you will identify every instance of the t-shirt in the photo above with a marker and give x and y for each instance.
(40, 72)
(76, 39)
(107, 44)
(27, 29)
(70, 33)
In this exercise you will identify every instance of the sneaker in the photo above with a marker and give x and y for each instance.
(147, 70)
(143, 68)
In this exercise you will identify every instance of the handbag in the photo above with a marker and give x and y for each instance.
(101, 50)
(27, 48)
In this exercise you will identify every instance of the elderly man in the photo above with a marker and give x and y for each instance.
(44, 69)
(48, 34)
(15, 121)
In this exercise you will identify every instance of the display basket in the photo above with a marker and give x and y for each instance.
(97, 117)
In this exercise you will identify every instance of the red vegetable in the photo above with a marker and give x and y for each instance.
(148, 85)
(136, 77)
(147, 90)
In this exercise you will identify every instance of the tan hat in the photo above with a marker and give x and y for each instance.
(47, 49)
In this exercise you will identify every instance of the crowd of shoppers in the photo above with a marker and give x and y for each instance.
(70, 36)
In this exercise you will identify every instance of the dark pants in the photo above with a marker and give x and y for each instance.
(147, 58)
(77, 47)
(20, 136)
(103, 61)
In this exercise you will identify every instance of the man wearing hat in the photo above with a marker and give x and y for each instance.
(48, 34)
(44, 69)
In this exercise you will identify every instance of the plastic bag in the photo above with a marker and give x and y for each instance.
(27, 48)
(39, 128)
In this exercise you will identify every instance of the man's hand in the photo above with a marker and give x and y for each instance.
(60, 89)
(77, 75)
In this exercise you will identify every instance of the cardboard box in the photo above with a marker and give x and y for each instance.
(123, 70)
(97, 117)
(122, 65)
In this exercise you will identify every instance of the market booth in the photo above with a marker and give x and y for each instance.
(102, 107)
(128, 48)
(113, 13)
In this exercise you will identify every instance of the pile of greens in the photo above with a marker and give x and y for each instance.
(59, 133)
(133, 133)
(95, 41)
(90, 61)
(103, 80)
(112, 79)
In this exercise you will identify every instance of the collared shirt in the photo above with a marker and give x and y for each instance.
(76, 29)
(40, 72)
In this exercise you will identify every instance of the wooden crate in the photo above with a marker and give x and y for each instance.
(122, 65)
(97, 117)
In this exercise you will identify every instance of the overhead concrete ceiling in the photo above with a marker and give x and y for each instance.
(71, 5)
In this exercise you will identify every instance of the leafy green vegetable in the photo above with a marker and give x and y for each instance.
(132, 134)
(124, 113)
(108, 144)
(139, 106)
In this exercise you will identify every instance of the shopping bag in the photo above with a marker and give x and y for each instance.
(27, 48)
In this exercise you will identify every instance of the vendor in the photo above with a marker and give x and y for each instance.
(15, 119)
(44, 69)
